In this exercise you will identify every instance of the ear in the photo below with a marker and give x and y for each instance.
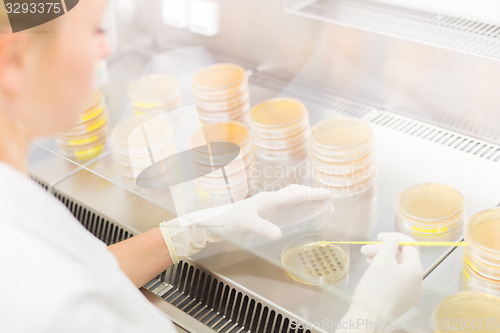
(12, 62)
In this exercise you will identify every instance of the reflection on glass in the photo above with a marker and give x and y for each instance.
(87, 139)
(221, 93)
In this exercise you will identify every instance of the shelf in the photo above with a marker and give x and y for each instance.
(455, 33)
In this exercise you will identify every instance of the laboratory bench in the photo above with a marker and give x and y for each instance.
(424, 82)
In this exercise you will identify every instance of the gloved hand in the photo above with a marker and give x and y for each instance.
(188, 234)
(390, 285)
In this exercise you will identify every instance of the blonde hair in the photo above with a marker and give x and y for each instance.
(4, 19)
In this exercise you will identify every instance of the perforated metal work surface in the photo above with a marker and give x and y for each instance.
(197, 292)
(464, 143)
(460, 34)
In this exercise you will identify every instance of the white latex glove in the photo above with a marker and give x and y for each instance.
(188, 234)
(391, 284)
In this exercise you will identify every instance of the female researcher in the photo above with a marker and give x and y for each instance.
(55, 276)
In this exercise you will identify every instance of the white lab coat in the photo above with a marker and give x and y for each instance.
(57, 277)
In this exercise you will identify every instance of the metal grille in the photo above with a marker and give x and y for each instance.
(438, 135)
(100, 227)
(456, 33)
(194, 291)
(39, 182)
(310, 94)
(216, 304)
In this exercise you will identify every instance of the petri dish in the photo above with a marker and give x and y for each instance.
(472, 280)
(84, 153)
(154, 91)
(236, 169)
(229, 112)
(278, 113)
(298, 153)
(93, 109)
(429, 209)
(342, 168)
(277, 144)
(301, 127)
(339, 192)
(308, 260)
(467, 311)
(87, 127)
(340, 134)
(87, 138)
(484, 230)
(231, 132)
(83, 140)
(343, 180)
(219, 77)
(227, 104)
(141, 111)
(482, 233)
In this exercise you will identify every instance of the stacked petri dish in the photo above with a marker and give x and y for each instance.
(222, 159)
(155, 93)
(312, 260)
(87, 139)
(221, 93)
(342, 156)
(280, 128)
(431, 211)
(467, 312)
(481, 261)
(140, 143)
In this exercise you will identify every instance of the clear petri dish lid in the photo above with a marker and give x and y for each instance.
(140, 111)
(206, 120)
(93, 109)
(298, 154)
(302, 127)
(311, 260)
(479, 273)
(234, 182)
(343, 180)
(230, 107)
(237, 101)
(294, 146)
(83, 140)
(218, 133)
(278, 144)
(73, 148)
(155, 90)
(469, 307)
(86, 128)
(145, 160)
(341, 134)
(219, 159)
(431, 204)
(359, 189)
(341, 168)
(489, 268)
(219, 77)
(142, 131)
(230, 113)
(278, 113)
(483, 232)
(236, 194)
(84, 153)
(218, 95)
(234, 167)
